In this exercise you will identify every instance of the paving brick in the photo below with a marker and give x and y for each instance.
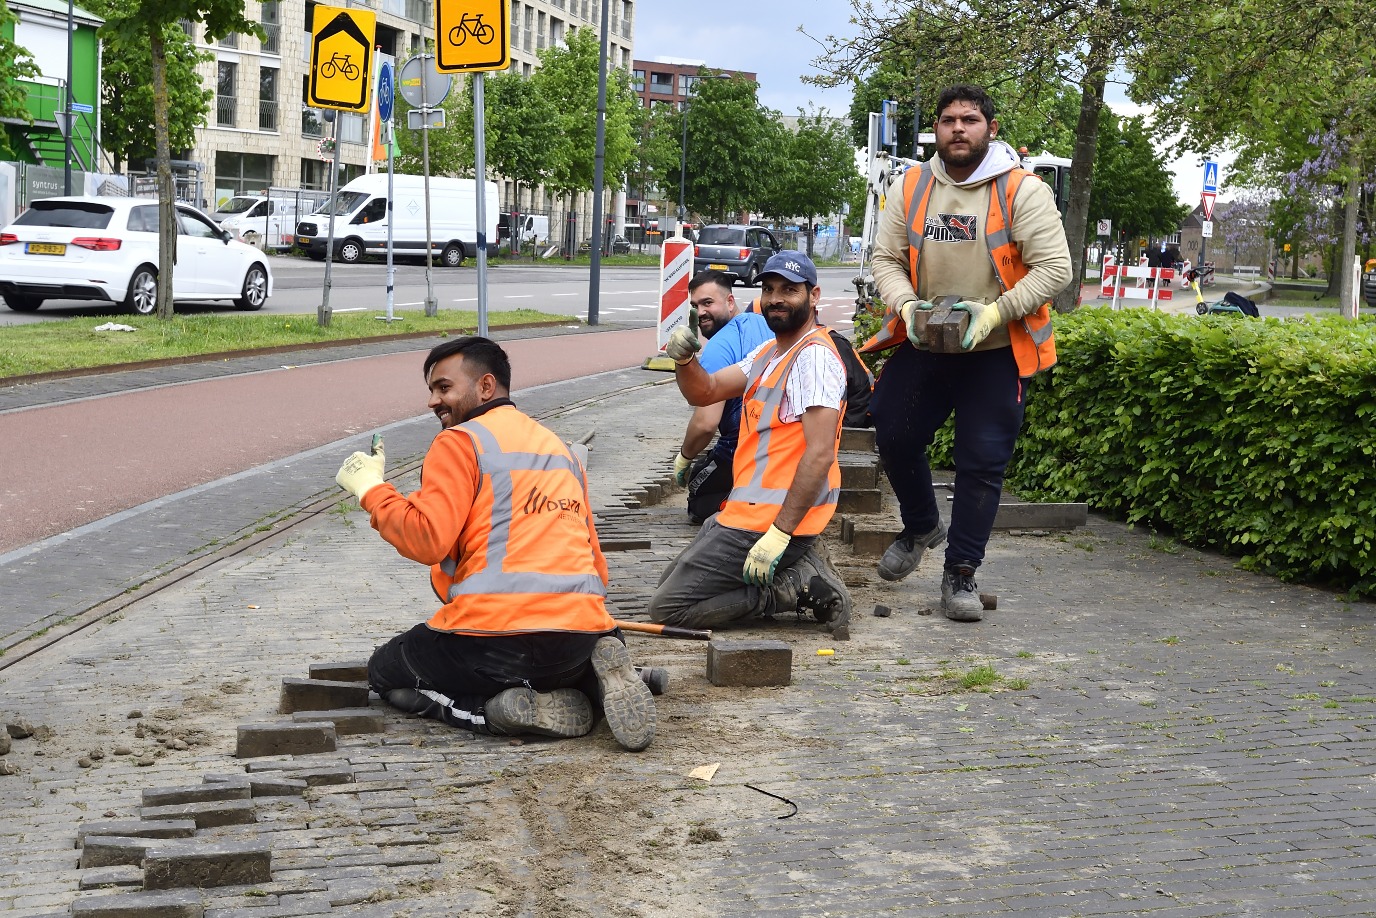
(859, 439)
(163, 904)
(347, 721)
(859, 473)
(753, 663)
(232, 789)
(112, 850)
(138, 828)
(206, 815)
(284, 738)
(859, 500)
(269, 786)
(321, 695)
(205, 863)
(356, 671)
(869, 541)
(115, 875)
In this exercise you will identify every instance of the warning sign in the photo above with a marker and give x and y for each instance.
(341, 58)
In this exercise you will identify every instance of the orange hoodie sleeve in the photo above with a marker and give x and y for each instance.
(425, 525)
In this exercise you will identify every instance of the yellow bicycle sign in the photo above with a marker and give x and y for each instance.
(485, 22)
(341, 58)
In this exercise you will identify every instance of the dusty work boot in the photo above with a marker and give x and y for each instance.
(626, 700)
(960, 595)
(901, 558)
(656, 677)
(563, 712)
(786, 588)
(824, 593)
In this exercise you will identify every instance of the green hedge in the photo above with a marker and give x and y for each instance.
(1248, 436)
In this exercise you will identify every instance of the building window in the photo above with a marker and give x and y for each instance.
(515, 23)
(540, 33)
(556, 30)
(312, 119)
(686, 82)
(267, 99)
(638, 80)
(226, 99)
(241, 173)
(315, 174)
(230, 41)
(529, 27)
(272, 27)
(662, 83)
(350, 127)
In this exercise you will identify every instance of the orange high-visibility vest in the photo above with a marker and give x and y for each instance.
(769, 450)
(524, 559)
(1034, 345)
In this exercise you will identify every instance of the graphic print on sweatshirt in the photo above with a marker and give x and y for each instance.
(951, 228)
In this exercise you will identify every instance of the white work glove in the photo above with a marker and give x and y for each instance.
(681, 466)
(683, 345)
(906, 312)
(362, 471)
(984, 318)
(764, 557)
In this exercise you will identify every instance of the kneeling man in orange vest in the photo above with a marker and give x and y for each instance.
(756, 556)
(523, 637)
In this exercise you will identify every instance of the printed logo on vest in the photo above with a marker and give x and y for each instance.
(539, 503)
(951, 228)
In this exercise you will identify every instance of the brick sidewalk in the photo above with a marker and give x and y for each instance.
(1163, 735)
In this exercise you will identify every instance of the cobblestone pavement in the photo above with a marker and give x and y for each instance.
(1138, 729)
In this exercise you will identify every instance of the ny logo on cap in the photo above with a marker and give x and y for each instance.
(794, 266)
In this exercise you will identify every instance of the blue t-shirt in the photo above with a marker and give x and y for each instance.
(736, 339)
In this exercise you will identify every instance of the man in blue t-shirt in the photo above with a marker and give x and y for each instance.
(731, 336)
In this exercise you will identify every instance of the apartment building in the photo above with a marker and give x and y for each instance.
(669, 80)
(260, 132)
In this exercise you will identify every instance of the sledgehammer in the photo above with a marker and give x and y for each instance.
(669, 631)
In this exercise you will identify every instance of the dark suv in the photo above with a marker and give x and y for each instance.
(740, 251)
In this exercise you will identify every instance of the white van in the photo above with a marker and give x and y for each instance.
(360, 219)
(249, 217)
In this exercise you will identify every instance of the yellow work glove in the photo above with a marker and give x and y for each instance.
(984, 318)
(681, 466)
(362, 471)
(906, 313)
(764, 557)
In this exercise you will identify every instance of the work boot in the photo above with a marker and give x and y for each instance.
(901, 558)
(626, 700)
(656, 677)
(960, 595)
(825, 593)
(786, 587)
(563, 712)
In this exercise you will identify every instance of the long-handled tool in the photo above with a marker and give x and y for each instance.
(669, 631)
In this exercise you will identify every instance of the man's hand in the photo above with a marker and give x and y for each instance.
(681, 466)
(984, 318)
(683, 345)
(764, 557)
(362, 471)
(906, 312)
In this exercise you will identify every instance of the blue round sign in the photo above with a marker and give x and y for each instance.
(386, 92)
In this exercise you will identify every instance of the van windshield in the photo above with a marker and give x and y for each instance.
(722, 235)
(345, 202)
(236, 205)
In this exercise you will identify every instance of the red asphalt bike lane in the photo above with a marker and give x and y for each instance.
(70, 464)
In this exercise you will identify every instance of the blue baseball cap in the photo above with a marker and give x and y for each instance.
(793, 266)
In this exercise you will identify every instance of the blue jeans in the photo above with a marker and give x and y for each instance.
(915, 393)
(704, 587)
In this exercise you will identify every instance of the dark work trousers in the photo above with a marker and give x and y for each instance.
(455, 674)
(915, 393)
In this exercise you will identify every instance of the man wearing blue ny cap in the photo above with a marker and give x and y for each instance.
(756, 557)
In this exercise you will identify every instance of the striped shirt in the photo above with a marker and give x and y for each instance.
(818, 378)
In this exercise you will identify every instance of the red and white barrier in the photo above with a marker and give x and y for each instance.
(1158, 289)
(675, 270)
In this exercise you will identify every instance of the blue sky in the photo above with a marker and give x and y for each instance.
(762, 36)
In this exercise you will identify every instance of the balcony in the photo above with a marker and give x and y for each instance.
(226, 111)
(267, 115)
(312, 122)
(230, 41)
(272, 38)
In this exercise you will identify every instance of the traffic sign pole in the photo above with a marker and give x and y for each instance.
(323, 316)
(480, 195)
(385, 94)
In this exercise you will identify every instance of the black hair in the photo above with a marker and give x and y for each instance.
(482, 353)
(708, 276)
(966, 92)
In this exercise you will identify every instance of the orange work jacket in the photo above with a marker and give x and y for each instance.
(769, 450)
(1034, 345)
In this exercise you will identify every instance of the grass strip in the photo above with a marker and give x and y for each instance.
(46, 347)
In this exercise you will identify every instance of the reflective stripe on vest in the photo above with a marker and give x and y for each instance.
(756, 447)
(497, 467)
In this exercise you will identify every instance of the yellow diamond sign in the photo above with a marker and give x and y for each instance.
(472, 35)
(342, 58)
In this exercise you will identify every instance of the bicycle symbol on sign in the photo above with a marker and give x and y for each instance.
(471, 25)
(339, 64)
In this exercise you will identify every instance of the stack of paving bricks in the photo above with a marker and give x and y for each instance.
(867, 513)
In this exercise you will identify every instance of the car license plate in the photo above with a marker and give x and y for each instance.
(46, 248)
(717, 268)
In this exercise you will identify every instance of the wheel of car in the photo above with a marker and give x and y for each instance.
(251, 237)
(23, 303)
(143, 291)
(752, 273)
(255, 289)
(452, 256)
(350, 251)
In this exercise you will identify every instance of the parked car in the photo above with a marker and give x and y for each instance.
(106, 248)
(740, 251)
(620, 245)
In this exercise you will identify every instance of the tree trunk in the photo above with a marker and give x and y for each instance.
(1347, 252)
(167, 209)
(1082, 170)
(810, 232)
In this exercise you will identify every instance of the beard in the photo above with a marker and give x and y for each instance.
(976, 152)
(794, 319)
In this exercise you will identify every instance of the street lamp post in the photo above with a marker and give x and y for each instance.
(683, 169)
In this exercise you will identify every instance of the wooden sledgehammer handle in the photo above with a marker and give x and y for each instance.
(670, 631)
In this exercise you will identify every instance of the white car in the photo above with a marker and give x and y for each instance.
(106, 248)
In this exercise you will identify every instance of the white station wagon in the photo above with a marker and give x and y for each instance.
(106, 248)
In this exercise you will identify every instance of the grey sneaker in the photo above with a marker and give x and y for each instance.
(901, 558)
(825, 593)
(959, 594)
(563, 712)
(626, 700)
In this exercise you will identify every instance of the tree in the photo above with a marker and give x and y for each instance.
(127, 96)
(15, 64)
(149, 21)
(451, 147)
(1132, 186)
(817, 173)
